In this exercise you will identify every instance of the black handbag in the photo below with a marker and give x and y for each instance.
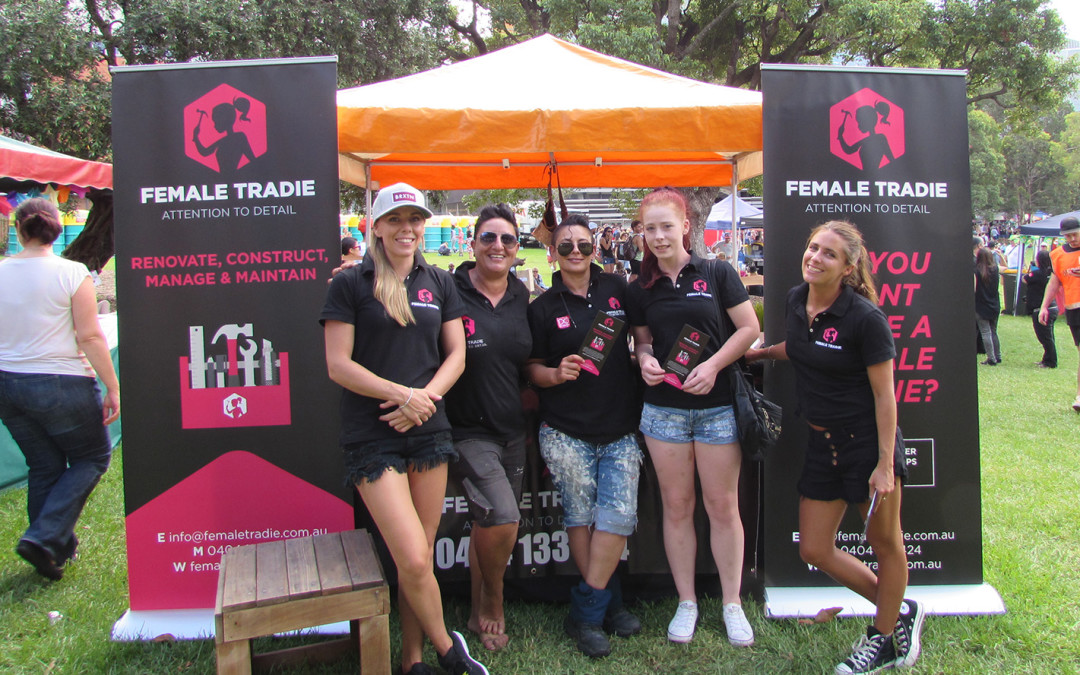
(756, 417)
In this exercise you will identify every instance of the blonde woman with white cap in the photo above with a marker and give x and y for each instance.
(395, 343)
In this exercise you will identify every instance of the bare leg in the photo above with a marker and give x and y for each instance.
(818, 524)
(489, 552)
(892, 575)
(718, 469)
(674, 463)
(406, 509)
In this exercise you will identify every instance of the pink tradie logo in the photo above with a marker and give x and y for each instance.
(614, 303)
(700, 286)
(830, 335)
(563, 322)
(424, 295)
(225, 129)
(470, 326)
(866, 130)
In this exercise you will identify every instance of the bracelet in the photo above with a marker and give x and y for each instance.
(406, 403)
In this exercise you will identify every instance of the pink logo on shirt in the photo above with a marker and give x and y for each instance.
(470, 326)
(830, 335)
(614, 303)
(700, 286)
(425, 295)
(563, 322)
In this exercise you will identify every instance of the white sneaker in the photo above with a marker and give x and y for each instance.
(739, 632)
(682, 626)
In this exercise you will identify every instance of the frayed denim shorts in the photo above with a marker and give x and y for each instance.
(367, 460)
(714, 426)
(597, 482)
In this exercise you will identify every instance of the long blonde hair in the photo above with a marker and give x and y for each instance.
(861, 278)
(389, 289)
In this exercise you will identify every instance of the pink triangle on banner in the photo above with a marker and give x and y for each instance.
(175, 541)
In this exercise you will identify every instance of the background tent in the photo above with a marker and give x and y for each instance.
(23, 165)
(500, 120)
(720, 215)
(1048, 227)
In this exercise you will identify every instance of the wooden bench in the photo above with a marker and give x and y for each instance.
(281, 586)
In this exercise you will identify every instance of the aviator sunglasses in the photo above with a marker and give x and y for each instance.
(488, 238)
(567, 247)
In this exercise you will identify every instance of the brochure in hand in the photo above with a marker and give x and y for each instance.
(684, 355)
(599, 341)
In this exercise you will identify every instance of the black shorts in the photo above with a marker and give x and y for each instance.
(1072, 317)
(368, 459)
(840, 460)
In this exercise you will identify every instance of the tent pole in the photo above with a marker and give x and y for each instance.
(367, 196)
(1019, 270)
(735, 246)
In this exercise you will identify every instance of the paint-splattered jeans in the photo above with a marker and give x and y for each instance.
(598, 482)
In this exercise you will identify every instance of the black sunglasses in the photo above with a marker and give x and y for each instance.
(567, 247)
(488, 238)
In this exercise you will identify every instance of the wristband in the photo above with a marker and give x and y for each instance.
(406, 403)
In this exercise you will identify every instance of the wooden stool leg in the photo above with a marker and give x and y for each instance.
(234, 658)
(375, 645)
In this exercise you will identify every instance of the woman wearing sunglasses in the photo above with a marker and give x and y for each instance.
(485, 412)
(689, 425)
(395, 343)
(587, 433)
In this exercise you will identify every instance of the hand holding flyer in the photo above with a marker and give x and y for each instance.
(684, 355)
(598, 342)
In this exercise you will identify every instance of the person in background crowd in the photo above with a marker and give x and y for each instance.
(690, 429)
(587, 433)
(395, 343)
(1036, 279)
(538, 280)
(49, 401)
(485, 412)
(638, 240)
(1065, 261)
(606, 250)
(841, 348)
(987, 304)
(350, 249)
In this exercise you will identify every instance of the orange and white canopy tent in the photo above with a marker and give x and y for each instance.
(500, 120)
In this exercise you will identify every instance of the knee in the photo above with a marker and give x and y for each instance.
(815, 553)
(678, 508)
(723, 508)
(414, 563)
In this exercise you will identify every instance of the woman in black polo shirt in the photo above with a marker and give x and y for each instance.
(485, 412)
(395, 343)
(690, 427)
(841, 347)
(587, 435)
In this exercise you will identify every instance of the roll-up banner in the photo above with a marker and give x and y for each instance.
(886, 149)
(226, 199)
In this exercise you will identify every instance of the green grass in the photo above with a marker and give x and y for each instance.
(1030, 471)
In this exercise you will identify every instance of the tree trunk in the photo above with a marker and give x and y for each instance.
(94, 246)
(700, 200)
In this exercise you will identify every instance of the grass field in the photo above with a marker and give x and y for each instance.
(1029, 440)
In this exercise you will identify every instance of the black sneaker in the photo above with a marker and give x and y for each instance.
(872, 653)
(40, 559)
(421, 668)
(621, 623)
(458, 661)
(589, 638)
(907, 632)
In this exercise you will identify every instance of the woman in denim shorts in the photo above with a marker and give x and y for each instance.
(49, 401)
(485, 411)
(587, 436)
(395, 343)
(841, 348)
(688, 422)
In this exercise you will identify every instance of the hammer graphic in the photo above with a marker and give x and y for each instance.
(231, 332)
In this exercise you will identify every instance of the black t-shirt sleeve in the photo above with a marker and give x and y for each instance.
(877, 340)
(340, 300)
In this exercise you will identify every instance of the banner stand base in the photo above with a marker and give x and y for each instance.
(791, 602)
(188, 624)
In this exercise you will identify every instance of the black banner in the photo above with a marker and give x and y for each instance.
(887, 150)
(226, 232)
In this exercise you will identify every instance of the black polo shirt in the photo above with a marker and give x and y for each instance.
(486, 400)
(831, 357)
(408, 355)
(692, 299)
(593, 408)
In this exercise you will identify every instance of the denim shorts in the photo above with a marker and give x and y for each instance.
(840, 459)
(366, 460)
(491, 474)
(597, 482)
(714, 426)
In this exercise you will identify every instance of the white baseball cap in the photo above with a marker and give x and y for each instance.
(395, 196)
